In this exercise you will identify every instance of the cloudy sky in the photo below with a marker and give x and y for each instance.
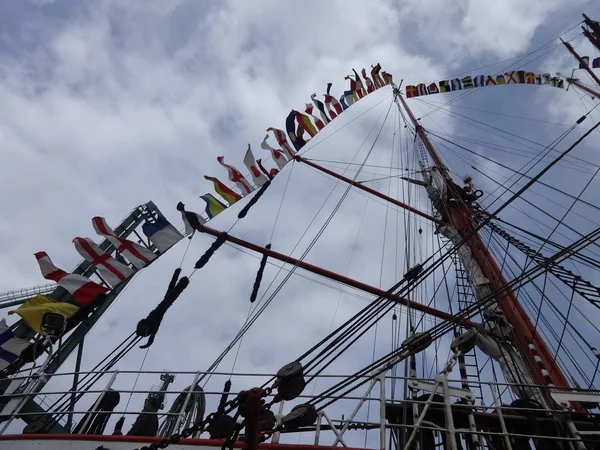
(107, 105)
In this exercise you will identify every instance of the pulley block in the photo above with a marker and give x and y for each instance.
(267, 420)
(291, 388)
(418, 342)
(464, 342)
(300, 416)
(221, 428)
(291, 370)
(35, 427)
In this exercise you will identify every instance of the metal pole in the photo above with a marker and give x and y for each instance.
(382, 411)
(450, 430)
(278, 417)
(74, 387)
(318, 428)
(498, 407)
(97, 403)
(367, 189)
(337, 277)
(583, 87)
(185, 402)
(356, 409)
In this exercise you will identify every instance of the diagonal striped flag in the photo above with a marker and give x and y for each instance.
(82, 289)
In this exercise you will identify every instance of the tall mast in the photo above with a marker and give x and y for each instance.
(582, 63)
(460, 217)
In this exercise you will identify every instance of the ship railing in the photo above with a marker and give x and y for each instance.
(328, 425)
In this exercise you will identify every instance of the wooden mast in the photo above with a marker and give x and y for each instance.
(461, 218)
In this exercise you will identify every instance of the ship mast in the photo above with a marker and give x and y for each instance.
(458, 216)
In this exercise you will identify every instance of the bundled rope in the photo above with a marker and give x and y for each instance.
(259, 275)
(221, 238)
(150, 325)
(253, 200)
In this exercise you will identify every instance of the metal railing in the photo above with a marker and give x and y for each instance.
(330, 425)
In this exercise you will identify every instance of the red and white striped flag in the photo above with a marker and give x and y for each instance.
(82, 289)
(137, 254)
(110, 269)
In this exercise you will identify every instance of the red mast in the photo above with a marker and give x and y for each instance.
(461, 218)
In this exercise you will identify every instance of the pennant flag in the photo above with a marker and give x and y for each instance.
(10, 346)
(490, 81)
(521, 76)
(250, 162)
(529, 78)
(282, 141)
(349, 97)
(321, 107)
(433, 89)
(213, 206)
(421, 89)
(444, 86)
(510, 77)
(360, 90)
(305, 123)
(230, 196)
(82, 289)
(329, 101)
(278, 155)
(387, 77)
(352, 88)
(596, 63)
(137, 254)
(411, 91)
(290, 126)
(467, 82)
(585, 61)
(379, 82)
(343, 103)
(370, 85)
(455, 85)
(500, 79)
(34, 309)
(191, 220)
(111, 270)
(236, 177)
(478, 81)
(161, 233)
(308, 110)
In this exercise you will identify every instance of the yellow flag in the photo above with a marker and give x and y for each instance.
(34, 309)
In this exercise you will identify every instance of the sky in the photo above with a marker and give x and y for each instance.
(107, 105)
